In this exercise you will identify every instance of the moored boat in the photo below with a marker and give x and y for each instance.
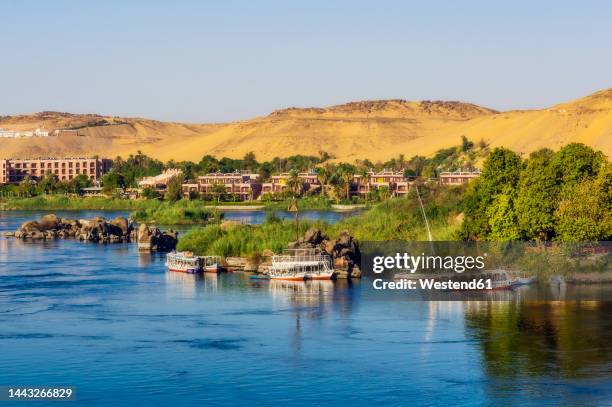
(184, 262)
(212, 264)
(521, 281)
(301, 264)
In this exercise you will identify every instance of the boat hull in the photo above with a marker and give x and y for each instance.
(188, 271)
(322, 276)
(289, 278)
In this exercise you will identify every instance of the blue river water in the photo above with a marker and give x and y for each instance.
(121, 329)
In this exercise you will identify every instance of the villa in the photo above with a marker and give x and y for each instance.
(395, 181)
(160, 182)
(278, 183)
(458, 177)
(242, 186)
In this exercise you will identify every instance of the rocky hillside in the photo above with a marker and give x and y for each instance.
(378, 130)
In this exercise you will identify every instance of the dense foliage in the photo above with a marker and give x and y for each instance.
(564, 196)
(49, 184)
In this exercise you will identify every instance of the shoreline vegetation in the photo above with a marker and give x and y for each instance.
(106, 203)
(393, 219)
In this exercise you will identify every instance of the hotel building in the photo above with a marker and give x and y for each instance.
(65, 169)
(395, 181)
(160, 182)
(278, 183)
(243, 186)
(458, 177)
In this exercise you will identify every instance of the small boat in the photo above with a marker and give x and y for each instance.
(259, 277)
(300, 265)
(184, 262)
(212, 264)
(497, 279)
(521, 281)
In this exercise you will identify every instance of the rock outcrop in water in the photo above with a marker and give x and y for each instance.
(96, 230)
(344, 251)
(154, 240)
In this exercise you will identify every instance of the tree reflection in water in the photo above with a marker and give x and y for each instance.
(559, 339)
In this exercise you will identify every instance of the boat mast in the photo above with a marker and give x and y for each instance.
(423, 213)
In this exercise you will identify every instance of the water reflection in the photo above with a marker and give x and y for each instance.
(191, 285)
(567, 339)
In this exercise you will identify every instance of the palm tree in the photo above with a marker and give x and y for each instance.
(323, 176)
(364, 179)
(217, 191)
(294, 183)
(401, 162)
(338, 185)
(347, 173)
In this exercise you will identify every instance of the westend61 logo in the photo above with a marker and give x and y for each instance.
(422, 262)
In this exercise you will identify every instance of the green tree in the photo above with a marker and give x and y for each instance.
(208, 164)
(502, 218)
(323, 176)
(112, 181)
(249, 162)
(502, 168)
(79, 182)
(500, 174)
(383, 193)
(537, 196)
(174, 189)
(294, 183)
(466, 145)
(576, 162)
(48, 183)
(417, 163)
(27, 187)
(149, 193)
(585, 210)
(409, 173)
(218, 191)
(364, 180)
(347, 173)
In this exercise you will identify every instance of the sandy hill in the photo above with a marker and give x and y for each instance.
(377, 130)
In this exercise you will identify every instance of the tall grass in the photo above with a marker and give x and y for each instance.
(174, 213)
(144, 210)
(61, 202)
(305, 203)
(243, 240)
(401, 218)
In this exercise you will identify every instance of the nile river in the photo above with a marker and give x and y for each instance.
(123, 331)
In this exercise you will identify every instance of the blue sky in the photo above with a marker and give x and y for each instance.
(227, 60)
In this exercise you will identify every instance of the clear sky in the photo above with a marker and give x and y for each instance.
(224, 60)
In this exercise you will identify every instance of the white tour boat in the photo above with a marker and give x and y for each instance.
(301, 264)
(184, 262)
(212, 264)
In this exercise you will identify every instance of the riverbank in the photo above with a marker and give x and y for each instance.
(141, 210)
(63, 202)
